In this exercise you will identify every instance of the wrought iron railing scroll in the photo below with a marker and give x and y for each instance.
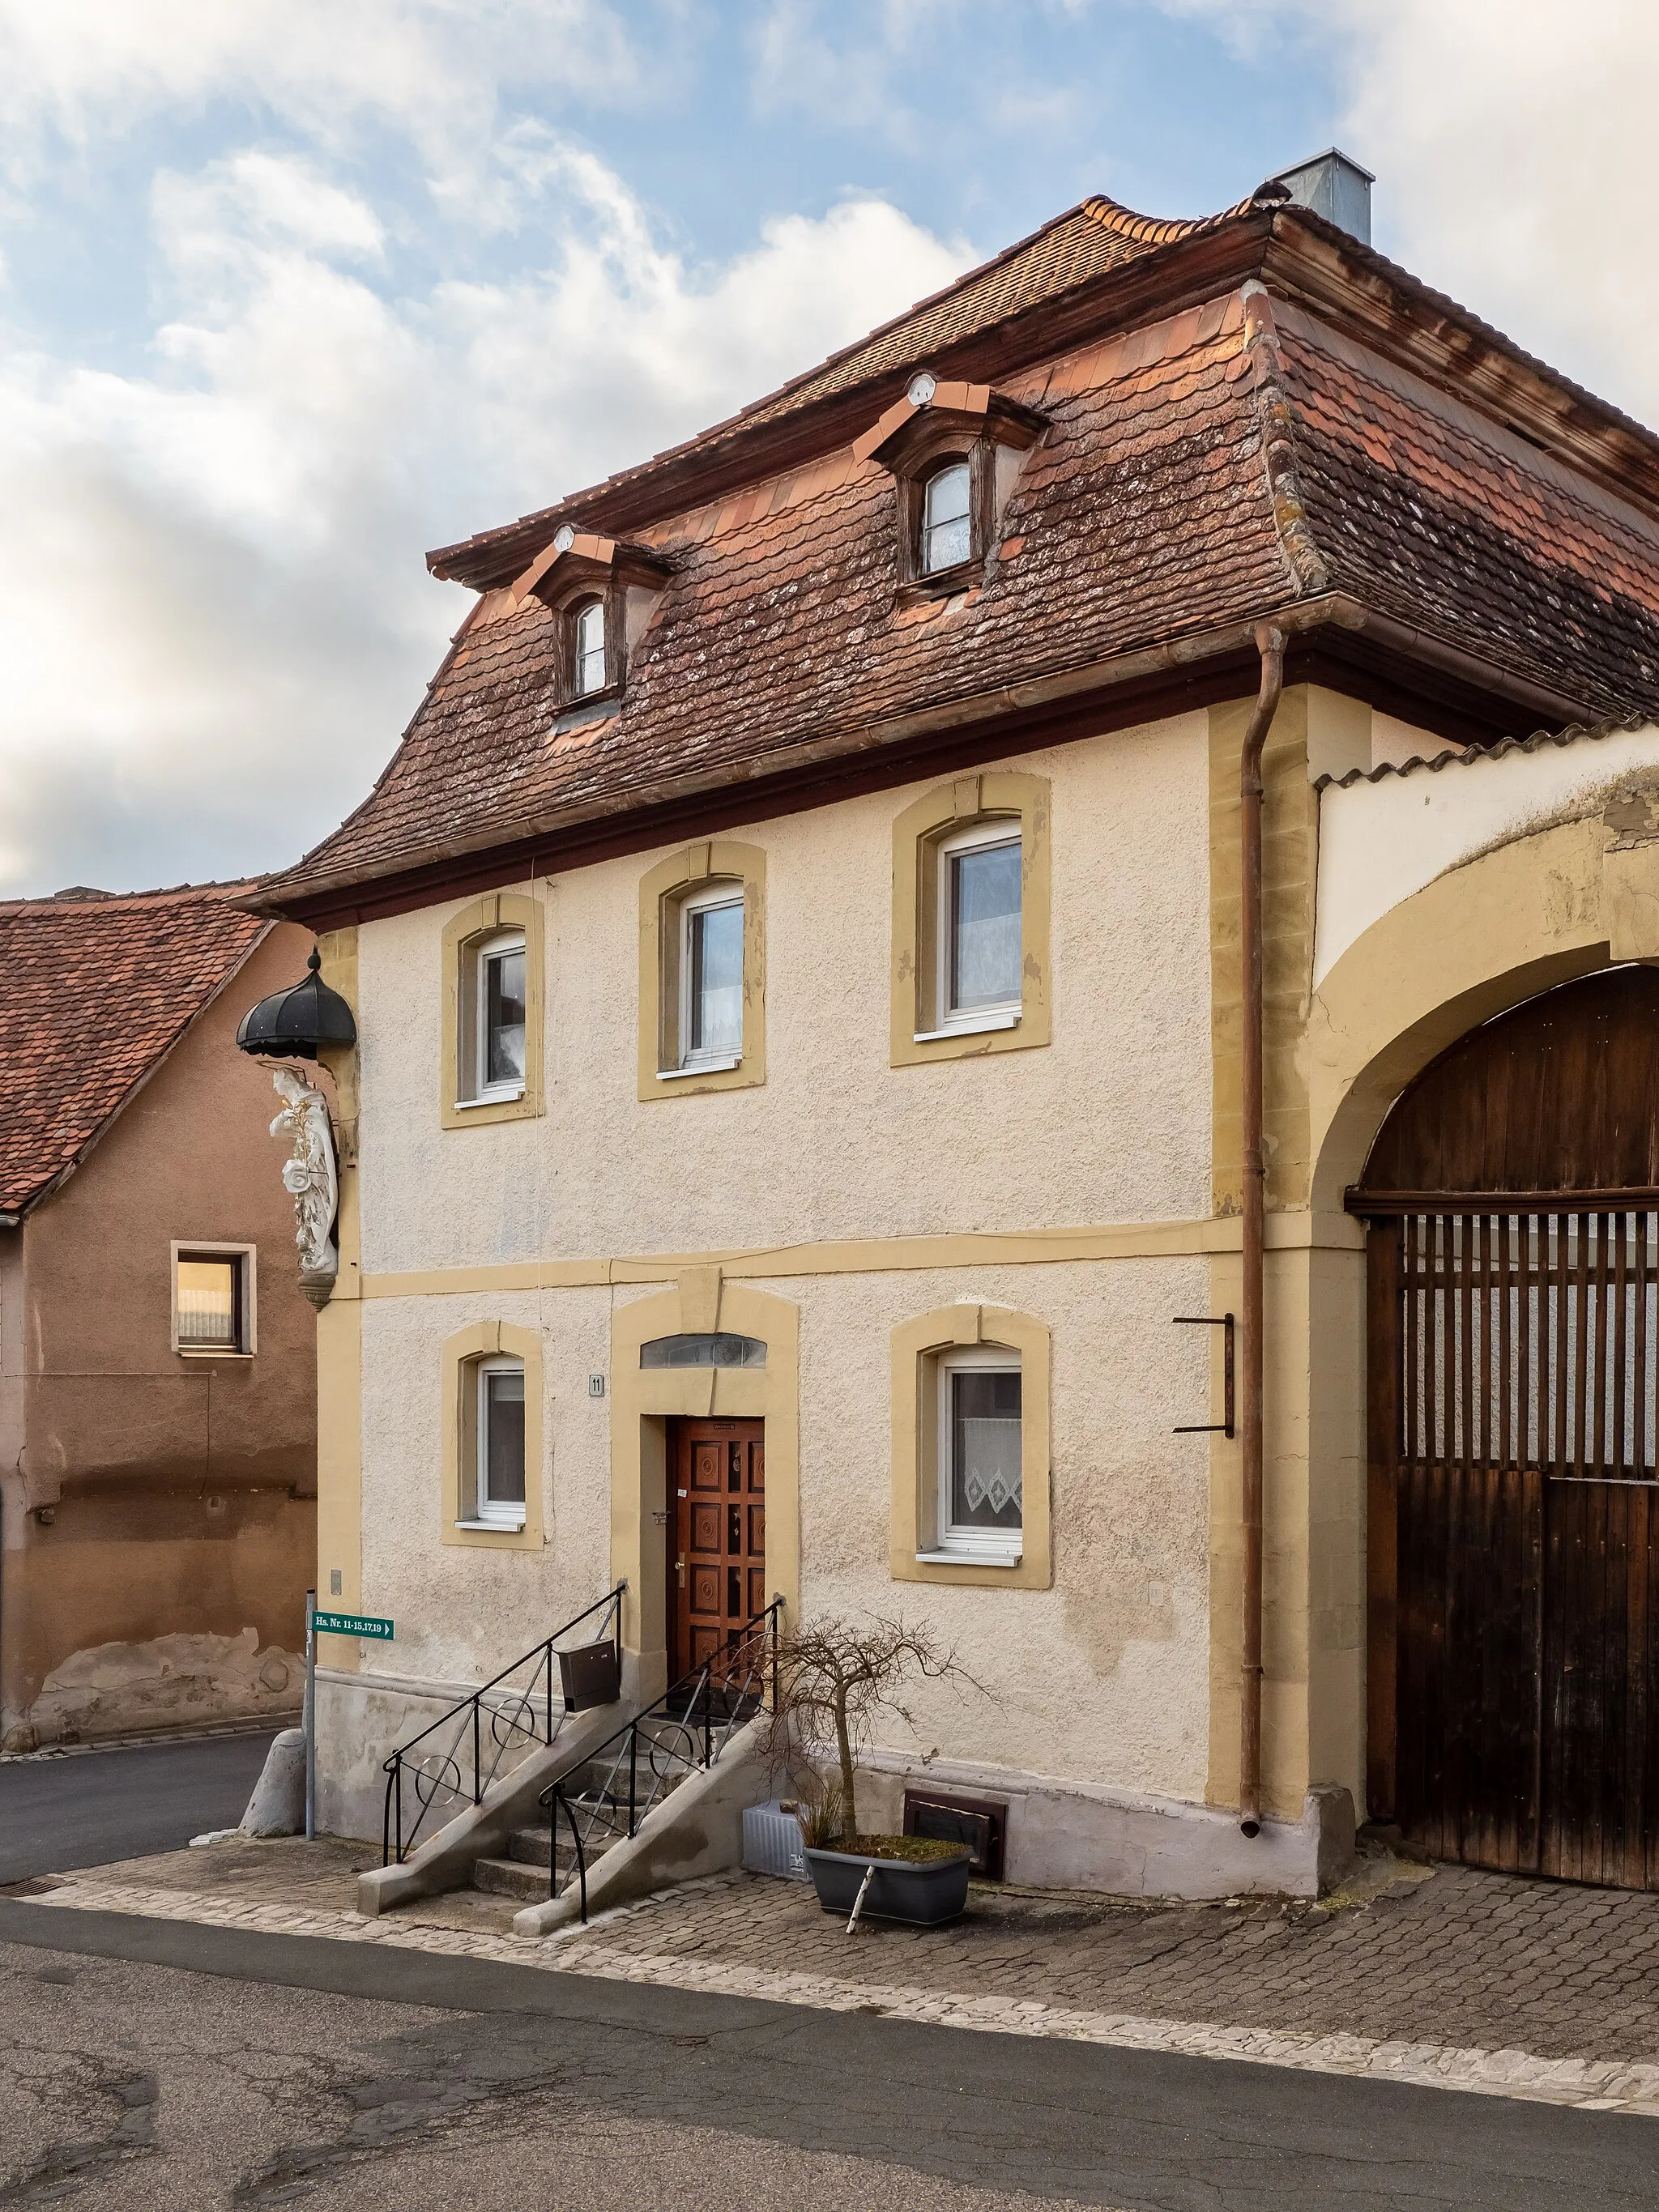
(454, 1760)
(683, 1733)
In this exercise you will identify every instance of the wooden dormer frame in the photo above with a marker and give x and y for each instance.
(914, 438)
(628, 580)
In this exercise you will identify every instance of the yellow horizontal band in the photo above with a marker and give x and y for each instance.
(880, 1255)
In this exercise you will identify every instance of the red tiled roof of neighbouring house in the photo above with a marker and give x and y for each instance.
(94, 990)
(1195, 477)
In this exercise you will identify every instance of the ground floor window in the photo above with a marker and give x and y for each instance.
(499, 1495)
(980, 1508)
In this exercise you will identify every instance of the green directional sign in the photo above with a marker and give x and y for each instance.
(351, 1624)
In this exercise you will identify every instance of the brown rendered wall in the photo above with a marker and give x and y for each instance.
(149, 1496)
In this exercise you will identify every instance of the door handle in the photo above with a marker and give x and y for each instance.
(679, 1568)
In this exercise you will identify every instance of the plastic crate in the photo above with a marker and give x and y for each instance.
(773, 1843)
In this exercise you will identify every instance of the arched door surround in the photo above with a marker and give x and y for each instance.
(1512, 1198)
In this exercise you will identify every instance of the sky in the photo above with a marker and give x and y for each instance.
(293, 290)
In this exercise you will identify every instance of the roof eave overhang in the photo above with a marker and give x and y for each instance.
(1334, 639)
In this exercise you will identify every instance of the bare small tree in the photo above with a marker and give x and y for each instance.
(835, 1676)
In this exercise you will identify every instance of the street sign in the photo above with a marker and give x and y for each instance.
(352, 1624)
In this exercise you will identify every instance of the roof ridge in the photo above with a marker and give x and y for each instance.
(1157, 230)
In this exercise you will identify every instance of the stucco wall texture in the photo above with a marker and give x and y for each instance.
(1102, 1678)
(837, 1143)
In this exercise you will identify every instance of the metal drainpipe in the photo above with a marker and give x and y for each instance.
(1270, 644)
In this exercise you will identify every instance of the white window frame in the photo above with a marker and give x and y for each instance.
(246, 1257)
(509, 1515)
(980, 1547)
(578, 689)
(1007, 829)
(930, 482)
(704, 902)
(493, 947)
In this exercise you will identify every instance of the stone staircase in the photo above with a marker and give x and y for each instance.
(523, 1873)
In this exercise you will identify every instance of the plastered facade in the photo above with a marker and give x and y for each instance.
(1090, 1185)
(159, 1511)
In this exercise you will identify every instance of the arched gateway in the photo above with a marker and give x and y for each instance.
(1513, 1202)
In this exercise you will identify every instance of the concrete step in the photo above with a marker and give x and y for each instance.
(510, 1878)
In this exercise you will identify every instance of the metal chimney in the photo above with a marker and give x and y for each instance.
(1335, 187)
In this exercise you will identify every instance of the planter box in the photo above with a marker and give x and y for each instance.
(924, 1892)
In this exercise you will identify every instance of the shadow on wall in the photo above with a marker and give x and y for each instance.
(170, 1682)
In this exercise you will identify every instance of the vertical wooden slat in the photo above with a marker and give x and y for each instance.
(1619, 1379)
(1529, 1451)
(1387, 1295)
(1506, 1321)
(1558, 1334)
(1409, 1264)
(1600, 1306)
(1642, 1432)
(1580, 1344)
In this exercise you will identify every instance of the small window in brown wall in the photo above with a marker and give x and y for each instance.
(213, 1300)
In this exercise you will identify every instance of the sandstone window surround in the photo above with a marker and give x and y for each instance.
(215, 1306)
(959, 988)
(477, 1366)
(954, 452)
(962, 1511)
(702, 971)
(602, 593)
(490, 949)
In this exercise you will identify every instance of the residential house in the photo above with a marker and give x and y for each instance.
(802, 951)
(157, 1370)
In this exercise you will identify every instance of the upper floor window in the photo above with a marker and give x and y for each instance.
(702, 971)
(492, 1061)
(213, 1299)
(970, 947)
(498, 1501)
(500, 999)
(978, 955)
(946, 531)
(588, 659)
(711, 978)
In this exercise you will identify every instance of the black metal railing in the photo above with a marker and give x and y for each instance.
(683, 1733)
(454, 1759)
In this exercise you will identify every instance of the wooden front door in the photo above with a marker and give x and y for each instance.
(717, 1563)
(1513, 1385)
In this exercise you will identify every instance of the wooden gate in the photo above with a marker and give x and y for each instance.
(1514, 1518)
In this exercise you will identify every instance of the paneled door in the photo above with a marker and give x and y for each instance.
(717, 1564)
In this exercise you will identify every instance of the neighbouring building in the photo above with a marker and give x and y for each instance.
(157, 1370)
(799, 1140)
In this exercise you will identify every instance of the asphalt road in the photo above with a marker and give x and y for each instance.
(96, 1806)
(160, 2067)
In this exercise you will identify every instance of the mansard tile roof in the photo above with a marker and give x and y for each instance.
(94, 991)
(1201, 469)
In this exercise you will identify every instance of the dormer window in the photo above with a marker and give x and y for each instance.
(602, 595)
(587, 648)
(953, 452)
(946, 533)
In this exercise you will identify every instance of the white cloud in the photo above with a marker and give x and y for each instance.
(214, 611)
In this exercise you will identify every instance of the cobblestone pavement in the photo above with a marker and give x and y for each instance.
(1462, 1958)
(1453, 1978)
